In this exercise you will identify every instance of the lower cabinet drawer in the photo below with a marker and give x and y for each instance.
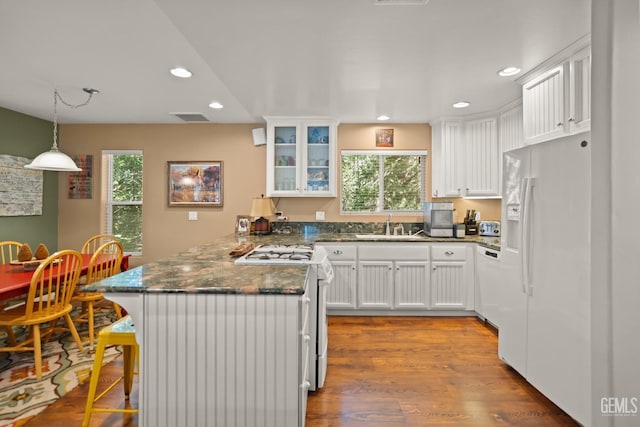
(338, 252)
(449, 253)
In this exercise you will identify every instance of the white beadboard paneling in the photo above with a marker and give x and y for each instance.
(375, 281)
(412, 285)
(543, 106)
(448, 285)
(221, 360)
(481, 151)
(342, 291)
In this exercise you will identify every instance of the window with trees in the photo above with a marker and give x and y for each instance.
(123, 198)
(376, 182)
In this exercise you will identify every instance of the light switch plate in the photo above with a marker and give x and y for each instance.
(319, 215)
(193, 215)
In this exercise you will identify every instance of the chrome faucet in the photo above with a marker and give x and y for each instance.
(388, 232)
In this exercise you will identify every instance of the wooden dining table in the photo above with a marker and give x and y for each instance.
(15, 280)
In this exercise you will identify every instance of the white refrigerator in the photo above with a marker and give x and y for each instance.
(545, 254)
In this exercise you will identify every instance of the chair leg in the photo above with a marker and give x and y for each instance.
(130, 355)
(11, 335)
(118, 310)
(37, 350)
(93, 385)
(90, 322)
(74, 331)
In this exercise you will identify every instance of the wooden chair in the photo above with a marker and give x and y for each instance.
(9, 251)
(104, 263)
(49, 300)
(94, 242)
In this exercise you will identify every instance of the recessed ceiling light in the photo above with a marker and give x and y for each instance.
(181, 72)
(383, 118)
(461, 104)
(509, 71)
(216, 105)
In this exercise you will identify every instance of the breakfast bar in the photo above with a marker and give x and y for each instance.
(220, 344)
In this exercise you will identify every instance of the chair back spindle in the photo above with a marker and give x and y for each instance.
(9, 251)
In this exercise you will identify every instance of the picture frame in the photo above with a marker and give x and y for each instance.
(195, 183)
(384, 137)
(243, 225)
(80, 184)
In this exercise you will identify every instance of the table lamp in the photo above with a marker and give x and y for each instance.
(261, 208)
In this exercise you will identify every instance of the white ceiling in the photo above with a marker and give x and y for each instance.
(348, 59)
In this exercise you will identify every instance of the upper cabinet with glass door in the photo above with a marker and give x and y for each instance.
(301, 157)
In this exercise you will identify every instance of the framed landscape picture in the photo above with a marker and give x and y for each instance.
(195, 183)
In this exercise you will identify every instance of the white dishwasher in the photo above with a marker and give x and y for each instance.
(489, 280)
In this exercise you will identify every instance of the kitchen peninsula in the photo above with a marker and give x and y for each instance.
(221, 344)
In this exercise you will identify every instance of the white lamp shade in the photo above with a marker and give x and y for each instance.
(53, 160)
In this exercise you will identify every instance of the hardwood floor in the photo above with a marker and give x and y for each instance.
(388, 371)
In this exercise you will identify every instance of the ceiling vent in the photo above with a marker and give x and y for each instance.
(190, 117)
(399, 2)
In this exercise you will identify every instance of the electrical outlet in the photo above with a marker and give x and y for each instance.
(319, 215)
(193, 215)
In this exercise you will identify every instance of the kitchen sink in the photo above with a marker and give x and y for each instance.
(402, 237)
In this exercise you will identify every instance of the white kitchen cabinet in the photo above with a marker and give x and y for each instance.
(375, 284)
(392, 276)
(411, 285)
(556, 95)
(580, 91)
(465, 158)
(510, 132)
(481, 158)
(452, 277)
(342, 292)
(446, 150)
(301, 157)
(543, 106)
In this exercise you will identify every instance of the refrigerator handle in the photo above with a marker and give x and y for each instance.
(525, 251)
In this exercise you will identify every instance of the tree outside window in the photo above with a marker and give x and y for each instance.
(124, 198)
(374, 182)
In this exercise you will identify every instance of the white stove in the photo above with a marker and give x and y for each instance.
(319, 276)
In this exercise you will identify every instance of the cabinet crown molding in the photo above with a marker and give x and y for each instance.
(556, 59)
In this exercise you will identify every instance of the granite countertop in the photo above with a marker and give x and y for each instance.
(210, 269)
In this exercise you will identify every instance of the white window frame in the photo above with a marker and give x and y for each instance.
(422, 153)
(108, 191)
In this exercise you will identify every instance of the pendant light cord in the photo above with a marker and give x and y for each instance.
(57, 96)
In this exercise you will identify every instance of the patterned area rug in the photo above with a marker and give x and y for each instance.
(64, 367)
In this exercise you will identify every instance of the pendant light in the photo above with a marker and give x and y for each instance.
(54, 159)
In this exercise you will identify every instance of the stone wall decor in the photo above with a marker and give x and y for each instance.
(20, 188)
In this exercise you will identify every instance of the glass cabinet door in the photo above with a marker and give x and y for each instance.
(318, 159)
(285, 158)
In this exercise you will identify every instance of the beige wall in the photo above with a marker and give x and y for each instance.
(167, 229)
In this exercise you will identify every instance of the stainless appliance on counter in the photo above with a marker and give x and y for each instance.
(489, 228)
(438, 219)
(319, 276)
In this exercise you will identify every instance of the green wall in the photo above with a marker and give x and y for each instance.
(27, 136)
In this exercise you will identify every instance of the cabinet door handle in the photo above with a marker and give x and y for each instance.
(434, 268)
(397, 268)
(337, 252)
(435, 193)
(449, 253)
(559, 124)
(570, 119)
